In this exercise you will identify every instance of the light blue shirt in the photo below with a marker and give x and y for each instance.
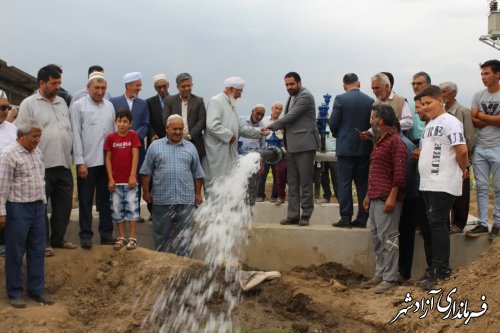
(173, 169)
(248, 143)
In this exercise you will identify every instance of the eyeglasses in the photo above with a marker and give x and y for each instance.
(4, 107)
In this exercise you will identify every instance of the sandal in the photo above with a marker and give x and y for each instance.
(49, 251)
(132, 244)
(120, 243)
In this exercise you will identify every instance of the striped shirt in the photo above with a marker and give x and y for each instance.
(173, 169)
(387, 168)
(21, 176)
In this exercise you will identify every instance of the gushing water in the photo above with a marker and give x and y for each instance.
(222, 226)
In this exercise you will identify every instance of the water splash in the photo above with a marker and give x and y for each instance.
(222, 226)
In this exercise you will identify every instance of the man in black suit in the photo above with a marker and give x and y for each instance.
(351, 113)
(191, 108)
(155, 106)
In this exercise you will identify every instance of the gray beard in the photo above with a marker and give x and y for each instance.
(376, 133)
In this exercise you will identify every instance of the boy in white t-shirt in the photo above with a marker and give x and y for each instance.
(442, 166)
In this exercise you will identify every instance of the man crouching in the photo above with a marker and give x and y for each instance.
(22, 212)
(386, 178)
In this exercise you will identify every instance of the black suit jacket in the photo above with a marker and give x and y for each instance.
(196, 117)
(155, 118)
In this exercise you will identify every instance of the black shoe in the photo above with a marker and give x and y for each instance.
(17, 303)
(494, 233)
(343, 223)
(477, 231)
(107, 241)
(289, 221)
(303, 222)
(141, 220)
(358, 224)
(44, 299)
(86, 244)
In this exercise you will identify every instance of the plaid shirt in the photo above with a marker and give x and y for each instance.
(387, 168)
(173, 169)
(21, 176)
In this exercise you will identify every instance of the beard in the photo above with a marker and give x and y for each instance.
(376, 133)
(233, 101)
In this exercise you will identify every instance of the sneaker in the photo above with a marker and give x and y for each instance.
(279, 201)
(455, 229)
(384, 286)
(44, 299)
(495, 232)
(429, 282)
(477, 231)
(374, 281)
(86, 244)
(17, 303)
(272, 200)
(259, 199)
(323, 201)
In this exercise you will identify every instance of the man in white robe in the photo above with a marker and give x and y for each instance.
(222, 132)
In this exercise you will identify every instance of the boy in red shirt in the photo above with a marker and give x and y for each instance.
(122, 156)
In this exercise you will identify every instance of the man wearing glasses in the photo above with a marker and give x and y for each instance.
(421, 80)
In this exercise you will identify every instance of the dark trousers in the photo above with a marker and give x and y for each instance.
(425, 229)
(352, 168)
(438, 206)
(281, 176)
(59, 190)
(172, 228)
(318, 170)
(329, 172)
(460, 209)
(407, 224)
(25, 233)
(261, 193)
(96, 181)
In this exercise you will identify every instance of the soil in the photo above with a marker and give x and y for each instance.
(102, 290)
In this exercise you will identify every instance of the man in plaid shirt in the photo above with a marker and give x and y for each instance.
(22, 213)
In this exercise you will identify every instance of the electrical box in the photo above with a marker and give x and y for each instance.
(494, 24)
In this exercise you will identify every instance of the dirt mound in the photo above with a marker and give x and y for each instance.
(106, 291)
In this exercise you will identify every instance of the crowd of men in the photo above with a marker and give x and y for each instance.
(410, 167)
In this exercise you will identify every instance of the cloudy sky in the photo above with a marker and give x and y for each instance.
(260, 40)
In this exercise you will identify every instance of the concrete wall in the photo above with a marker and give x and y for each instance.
(272, 246)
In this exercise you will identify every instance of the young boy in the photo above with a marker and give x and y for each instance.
(122, 155)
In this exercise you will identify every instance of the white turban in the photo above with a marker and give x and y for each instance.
(3, 94)
(97, 75)
(159, 77)
(131, 77)
(234, 82)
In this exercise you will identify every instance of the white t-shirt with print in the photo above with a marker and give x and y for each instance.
(437, 165)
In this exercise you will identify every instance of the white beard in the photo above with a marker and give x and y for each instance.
(233, 101)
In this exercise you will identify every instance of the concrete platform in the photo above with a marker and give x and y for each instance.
(272, 246)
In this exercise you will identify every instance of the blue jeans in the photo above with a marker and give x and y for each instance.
(25, 233)
(172, 228)
(96, 181)
(352, 168)
(438, 206)
(487, 162)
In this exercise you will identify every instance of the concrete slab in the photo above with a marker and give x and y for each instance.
(274, 247)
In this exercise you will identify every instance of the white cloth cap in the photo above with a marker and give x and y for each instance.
(158, 77)
(234, 82)
(3, 94)
(131, 77)
(97, 75)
